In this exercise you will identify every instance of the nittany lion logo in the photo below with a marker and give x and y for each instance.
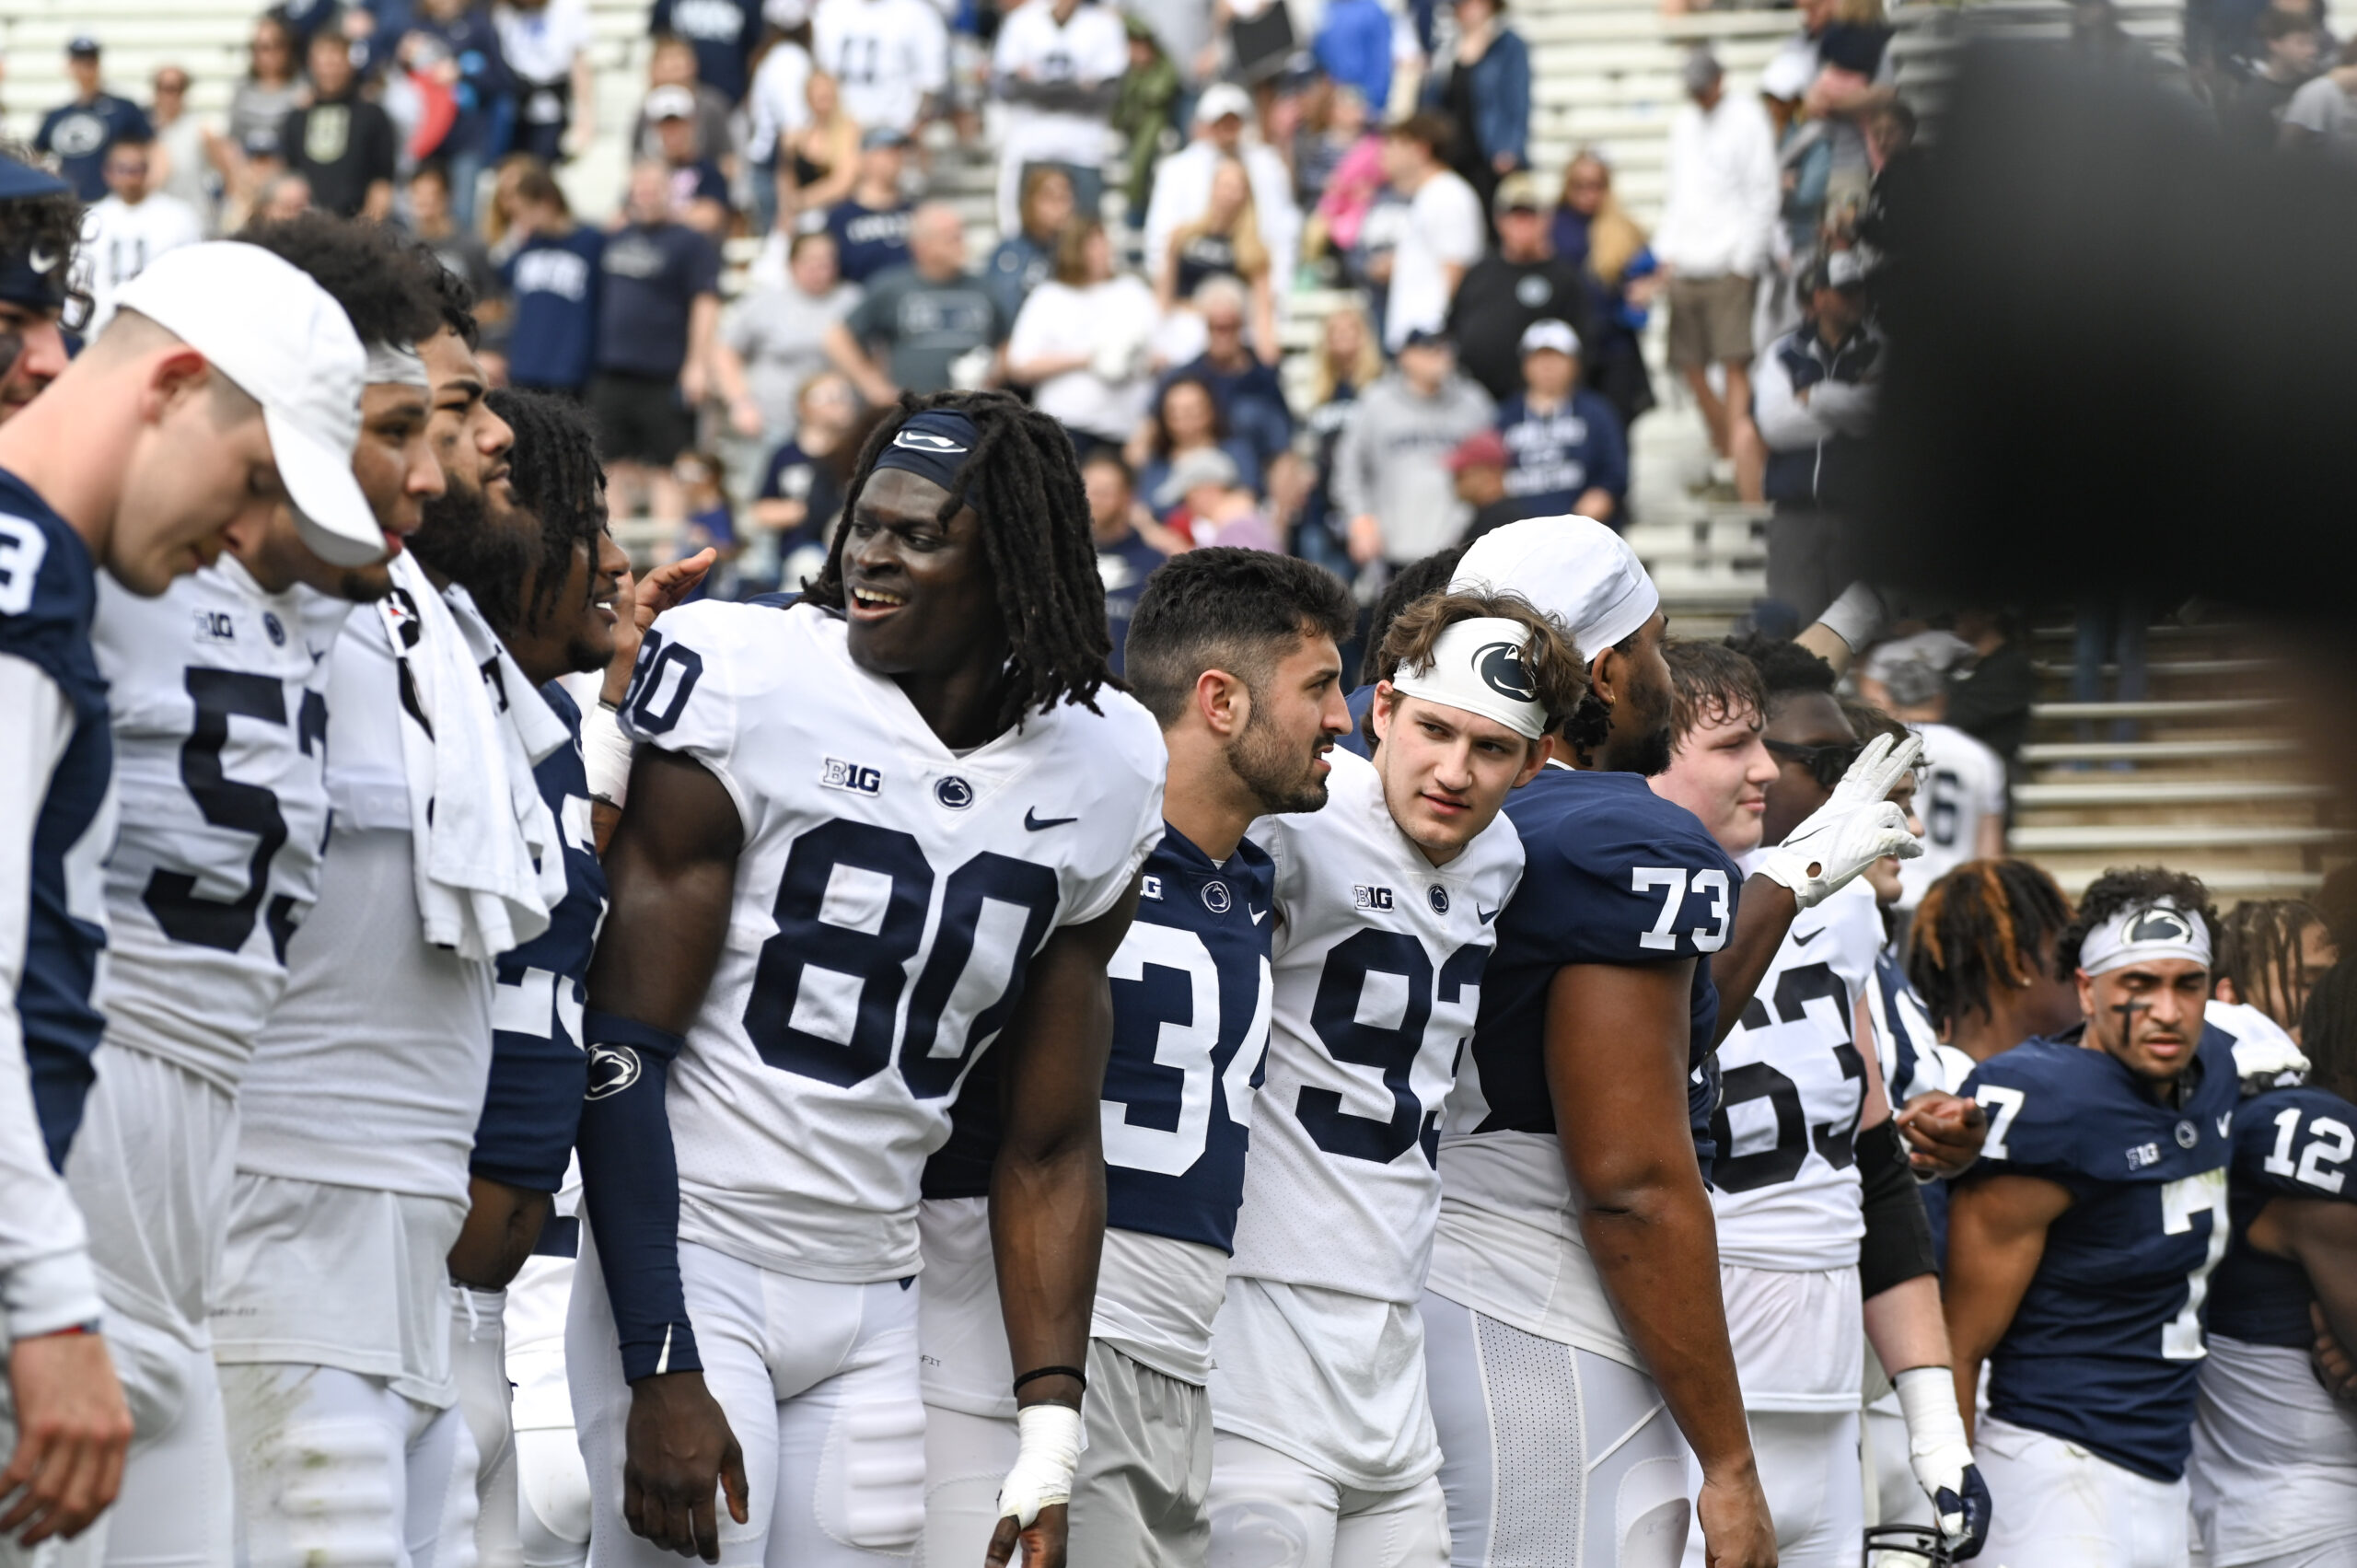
(1502, 671)
(2158, 925)
(612, 1069)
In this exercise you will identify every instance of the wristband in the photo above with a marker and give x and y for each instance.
(1074, 1373)
(1856, 616)
(1044, 1464)
(605, 754)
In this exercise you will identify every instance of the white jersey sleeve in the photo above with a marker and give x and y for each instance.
(1785, 1182)
(890, 896)
(217, 695)
(1964, 785)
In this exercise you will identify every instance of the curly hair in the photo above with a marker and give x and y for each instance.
(386, 283)
(2127, 889)
(1787, 669)
(1982, 927)
(1710, 683)
(1557, 674)
(1024, 483)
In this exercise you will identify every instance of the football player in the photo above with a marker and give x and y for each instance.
(2274, 1467)
(228, 381)
(218, 700)
(332, 1316)
(1822, 1239)
(40, 224)
(1235, 652)
(2271, 952)
(2080, 1246)
(1597, 1018)
(1326, 1452)
(868, 833)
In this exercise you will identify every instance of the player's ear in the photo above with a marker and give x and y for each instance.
(1224, 702)
(1379, 714)
(1541, 750)
(2224, 990)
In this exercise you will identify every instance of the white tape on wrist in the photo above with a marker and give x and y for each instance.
(605, 755)
(1856, 616)
(1043, 1465)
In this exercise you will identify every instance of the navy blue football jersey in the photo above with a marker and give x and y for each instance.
(48, 595)
(1190, 1034)
(1613, 875)
(2295, 1142)
(2104, 1348)
(531, 1106)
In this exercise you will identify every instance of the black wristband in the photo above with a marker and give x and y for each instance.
(1074, 1373)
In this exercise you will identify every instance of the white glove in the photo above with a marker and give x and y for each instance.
(1857, 827)
(1941, 1458)
(2267, 1058)
(1043, 1465)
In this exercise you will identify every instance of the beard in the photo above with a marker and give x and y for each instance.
(1281, 774)
(458, 539)
(1650, 756)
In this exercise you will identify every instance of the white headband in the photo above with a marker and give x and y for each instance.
(2142, 934)
(390, 361)
(1478, 666)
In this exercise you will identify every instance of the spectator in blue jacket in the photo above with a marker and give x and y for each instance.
(1814, 397)
(79, 132)
(1355, 48)
(1565, 449)
(1484, 89)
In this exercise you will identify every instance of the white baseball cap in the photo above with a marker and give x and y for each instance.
(1221, 100)
(285, 341)
(1551, 334)
(1573, 568)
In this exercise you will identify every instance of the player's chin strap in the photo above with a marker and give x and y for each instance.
(1853, 830)
(1941, 1458)
(1043, 1465)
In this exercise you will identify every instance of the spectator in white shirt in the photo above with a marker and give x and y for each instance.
(1057, 65)
(1080, 341)
(547, 46)
(1962, 801)
(1717, 213)
(135, 224)
(1182, 184)
(891, 59)
(1443, 235)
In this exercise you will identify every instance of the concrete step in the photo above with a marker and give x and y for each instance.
(2181, 668)
(2149, 837)
(2166, 792)
(2224, 749)
(2222, 707)
(2226, 883)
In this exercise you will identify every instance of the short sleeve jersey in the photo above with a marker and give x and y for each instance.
(869, 240)
(2103, 1350)
(2295, 1142)
(532, 1107)
(48, 595)
(887, 53)
(1793, 1084)
(926, 327)
(219, 698)
(888, 897)
(1378, 969)
(651, 274)
(554, 282)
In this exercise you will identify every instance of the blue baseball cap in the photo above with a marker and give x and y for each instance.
(20, 180)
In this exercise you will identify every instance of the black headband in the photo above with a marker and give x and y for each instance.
(932, 444)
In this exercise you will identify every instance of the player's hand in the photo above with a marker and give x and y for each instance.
(2336, 1369)
(1042, 1542)
(677, 1453)
(1736, 1530)
(1944, 1133)
(649, 596)
(1942, 1458)
(73, 1429)
(1365, 538)
(1857, 826)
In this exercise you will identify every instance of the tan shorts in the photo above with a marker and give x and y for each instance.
(1709, 320)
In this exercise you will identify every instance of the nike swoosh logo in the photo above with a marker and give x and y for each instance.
(1487, 915)
(1033, 820)
(1257, 915)
(1801, 941)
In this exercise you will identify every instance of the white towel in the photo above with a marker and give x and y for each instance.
(489, 861)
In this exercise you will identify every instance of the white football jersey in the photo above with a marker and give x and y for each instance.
(1377, 968)
(218, 696)
(1964, 785)
(119, 241)
(889, 896)
(1090, 48)
(1785, 1183)
(886, 55)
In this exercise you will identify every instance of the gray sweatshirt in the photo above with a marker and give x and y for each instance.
(1393, 461)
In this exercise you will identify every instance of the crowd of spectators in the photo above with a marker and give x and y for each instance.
(1169, 176)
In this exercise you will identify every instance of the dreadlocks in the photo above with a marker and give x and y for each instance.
(1984, 926)
(2328, 1031)
(2260, 950)
(554, 471)
(1024, 483)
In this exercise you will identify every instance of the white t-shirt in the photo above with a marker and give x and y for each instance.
(1104, 321)
(1377, 971)
(1090, 48)
(1964, 785)
(539, 45)
(1182, 189)
(119, 240)
(887, 55)
(888, 895)
(218, 696)
(778, 102)
(1444, 230)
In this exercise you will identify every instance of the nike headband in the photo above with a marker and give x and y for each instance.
(1478, 667)
(2144, 934)
(34, 277)
(934, 445)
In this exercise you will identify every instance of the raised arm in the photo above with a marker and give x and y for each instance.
(1616, 1041)
(1047, 1215)
(671, 869)
(1996, 1234)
